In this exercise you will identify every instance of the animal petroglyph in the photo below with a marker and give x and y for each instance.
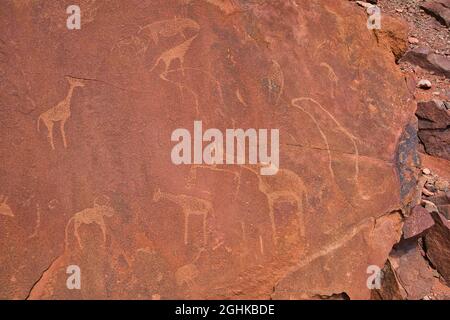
(38, 222)
(60, 112)
(187, 274)
(96, 215)
(190, 206)
(286, 185)
(169, 28)
(226, 6)
(175, 53)
(331, 76)
(5, 210)
(275, 82)
(297, 104)
(193, 174)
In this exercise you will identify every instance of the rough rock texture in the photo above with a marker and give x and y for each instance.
(414, 274)
(96, 192)
(425, 58)
(434, 128)
(440, 9)
(419, 221)
(394, 35)
(437, 242)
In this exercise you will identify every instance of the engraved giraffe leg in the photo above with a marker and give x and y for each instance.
(103, 228)
(63, 132)
(49, 124)
(272, 220)
(181, 59)
(77, 235)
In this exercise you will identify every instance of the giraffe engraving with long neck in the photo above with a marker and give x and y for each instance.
(190, 206)
(60, 112)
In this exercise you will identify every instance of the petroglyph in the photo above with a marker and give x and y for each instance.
(226, 6)
(5, 210)
(286, 186)
(193, 175)
(190, 206)
(60, 112)
(176, 53)
(96, 215)
(331, 76)
(240, 98)
(187, 274)
(38, 222)
(169, 28)
(296, 103)
(275, 82)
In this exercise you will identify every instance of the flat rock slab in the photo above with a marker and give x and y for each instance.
(95, 186)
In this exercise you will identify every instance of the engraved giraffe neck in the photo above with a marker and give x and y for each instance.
(68, 98)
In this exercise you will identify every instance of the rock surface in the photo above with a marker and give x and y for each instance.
(437, 243)
(96, 192)
(434, 128)
(440, 9)
(425, 58)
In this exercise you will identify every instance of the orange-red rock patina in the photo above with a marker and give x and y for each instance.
(107, 198)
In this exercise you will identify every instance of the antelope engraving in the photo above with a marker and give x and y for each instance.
(175, 53)
(96, 215)
(60, 112)
(5, 210)
(169, 28)
(190, 206)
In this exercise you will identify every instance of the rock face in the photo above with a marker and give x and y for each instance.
(86, 118)
(434, 127)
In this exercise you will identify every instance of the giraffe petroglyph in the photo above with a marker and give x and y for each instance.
(60, 112)
(96, 215)
(296, 103)
(190, 206)
(176, 53)
(5, 210)
(169, 28)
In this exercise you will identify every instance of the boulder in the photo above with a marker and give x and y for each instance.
(428, 60)
(95, 185)
(418, 221)
(434, 128)
(414, 274)
(440, 9)
(437, 242)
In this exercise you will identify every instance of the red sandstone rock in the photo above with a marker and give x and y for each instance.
(440, 9)
(103, 194)
(414, 274)
(437, 243)
(419, 221)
